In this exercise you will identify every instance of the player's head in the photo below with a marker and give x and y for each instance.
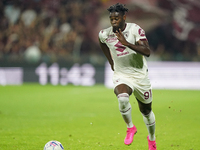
(117, 16)
(118, 8)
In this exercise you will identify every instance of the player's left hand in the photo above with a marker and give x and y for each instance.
(121, 37)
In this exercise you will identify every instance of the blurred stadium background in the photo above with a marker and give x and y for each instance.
(53, 41)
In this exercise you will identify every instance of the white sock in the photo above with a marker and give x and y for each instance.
(149, 120)
(128, 118)
(125, 108)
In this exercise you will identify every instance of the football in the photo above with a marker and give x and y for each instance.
(53, 145)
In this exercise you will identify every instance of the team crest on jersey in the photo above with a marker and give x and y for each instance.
(126, 34)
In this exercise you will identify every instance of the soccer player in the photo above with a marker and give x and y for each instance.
(125, 45)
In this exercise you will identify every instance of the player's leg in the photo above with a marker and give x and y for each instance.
(143, 94)
(149, 120)
(123, 92)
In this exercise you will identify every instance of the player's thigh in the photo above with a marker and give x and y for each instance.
(121, 84)
(143, 91)
(122, 88)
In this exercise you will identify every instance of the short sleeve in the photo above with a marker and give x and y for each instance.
(139, 33)
(101, 36)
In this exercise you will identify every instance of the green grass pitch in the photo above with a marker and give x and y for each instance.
(87, 118)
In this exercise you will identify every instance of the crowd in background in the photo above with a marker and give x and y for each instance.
(66, 30)
(178, 39)
(49, 30)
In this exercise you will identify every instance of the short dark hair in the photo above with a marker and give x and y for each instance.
(118, 8)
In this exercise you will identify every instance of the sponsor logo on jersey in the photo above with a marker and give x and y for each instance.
(120, 47)
(141, 32)
(111, 35)
(121, 54)
(110, 40)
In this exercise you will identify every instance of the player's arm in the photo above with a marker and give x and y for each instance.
(141, 46)
(106, 52)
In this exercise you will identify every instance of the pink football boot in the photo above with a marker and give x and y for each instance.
(130, 134)
(152, 144)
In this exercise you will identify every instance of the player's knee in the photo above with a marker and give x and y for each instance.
(149, 119)
(123, 100)
(145, 111)
(144, 108)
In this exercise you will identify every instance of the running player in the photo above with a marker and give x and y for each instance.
(125, 45)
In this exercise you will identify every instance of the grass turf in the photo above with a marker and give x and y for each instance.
(87, 118)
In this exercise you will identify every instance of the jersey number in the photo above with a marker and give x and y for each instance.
(147, 94)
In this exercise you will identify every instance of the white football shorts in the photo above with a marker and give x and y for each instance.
(141, 88)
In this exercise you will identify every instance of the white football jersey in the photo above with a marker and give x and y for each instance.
(126, 60)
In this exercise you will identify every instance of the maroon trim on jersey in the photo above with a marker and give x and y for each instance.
(143, 39)
(124, 27)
